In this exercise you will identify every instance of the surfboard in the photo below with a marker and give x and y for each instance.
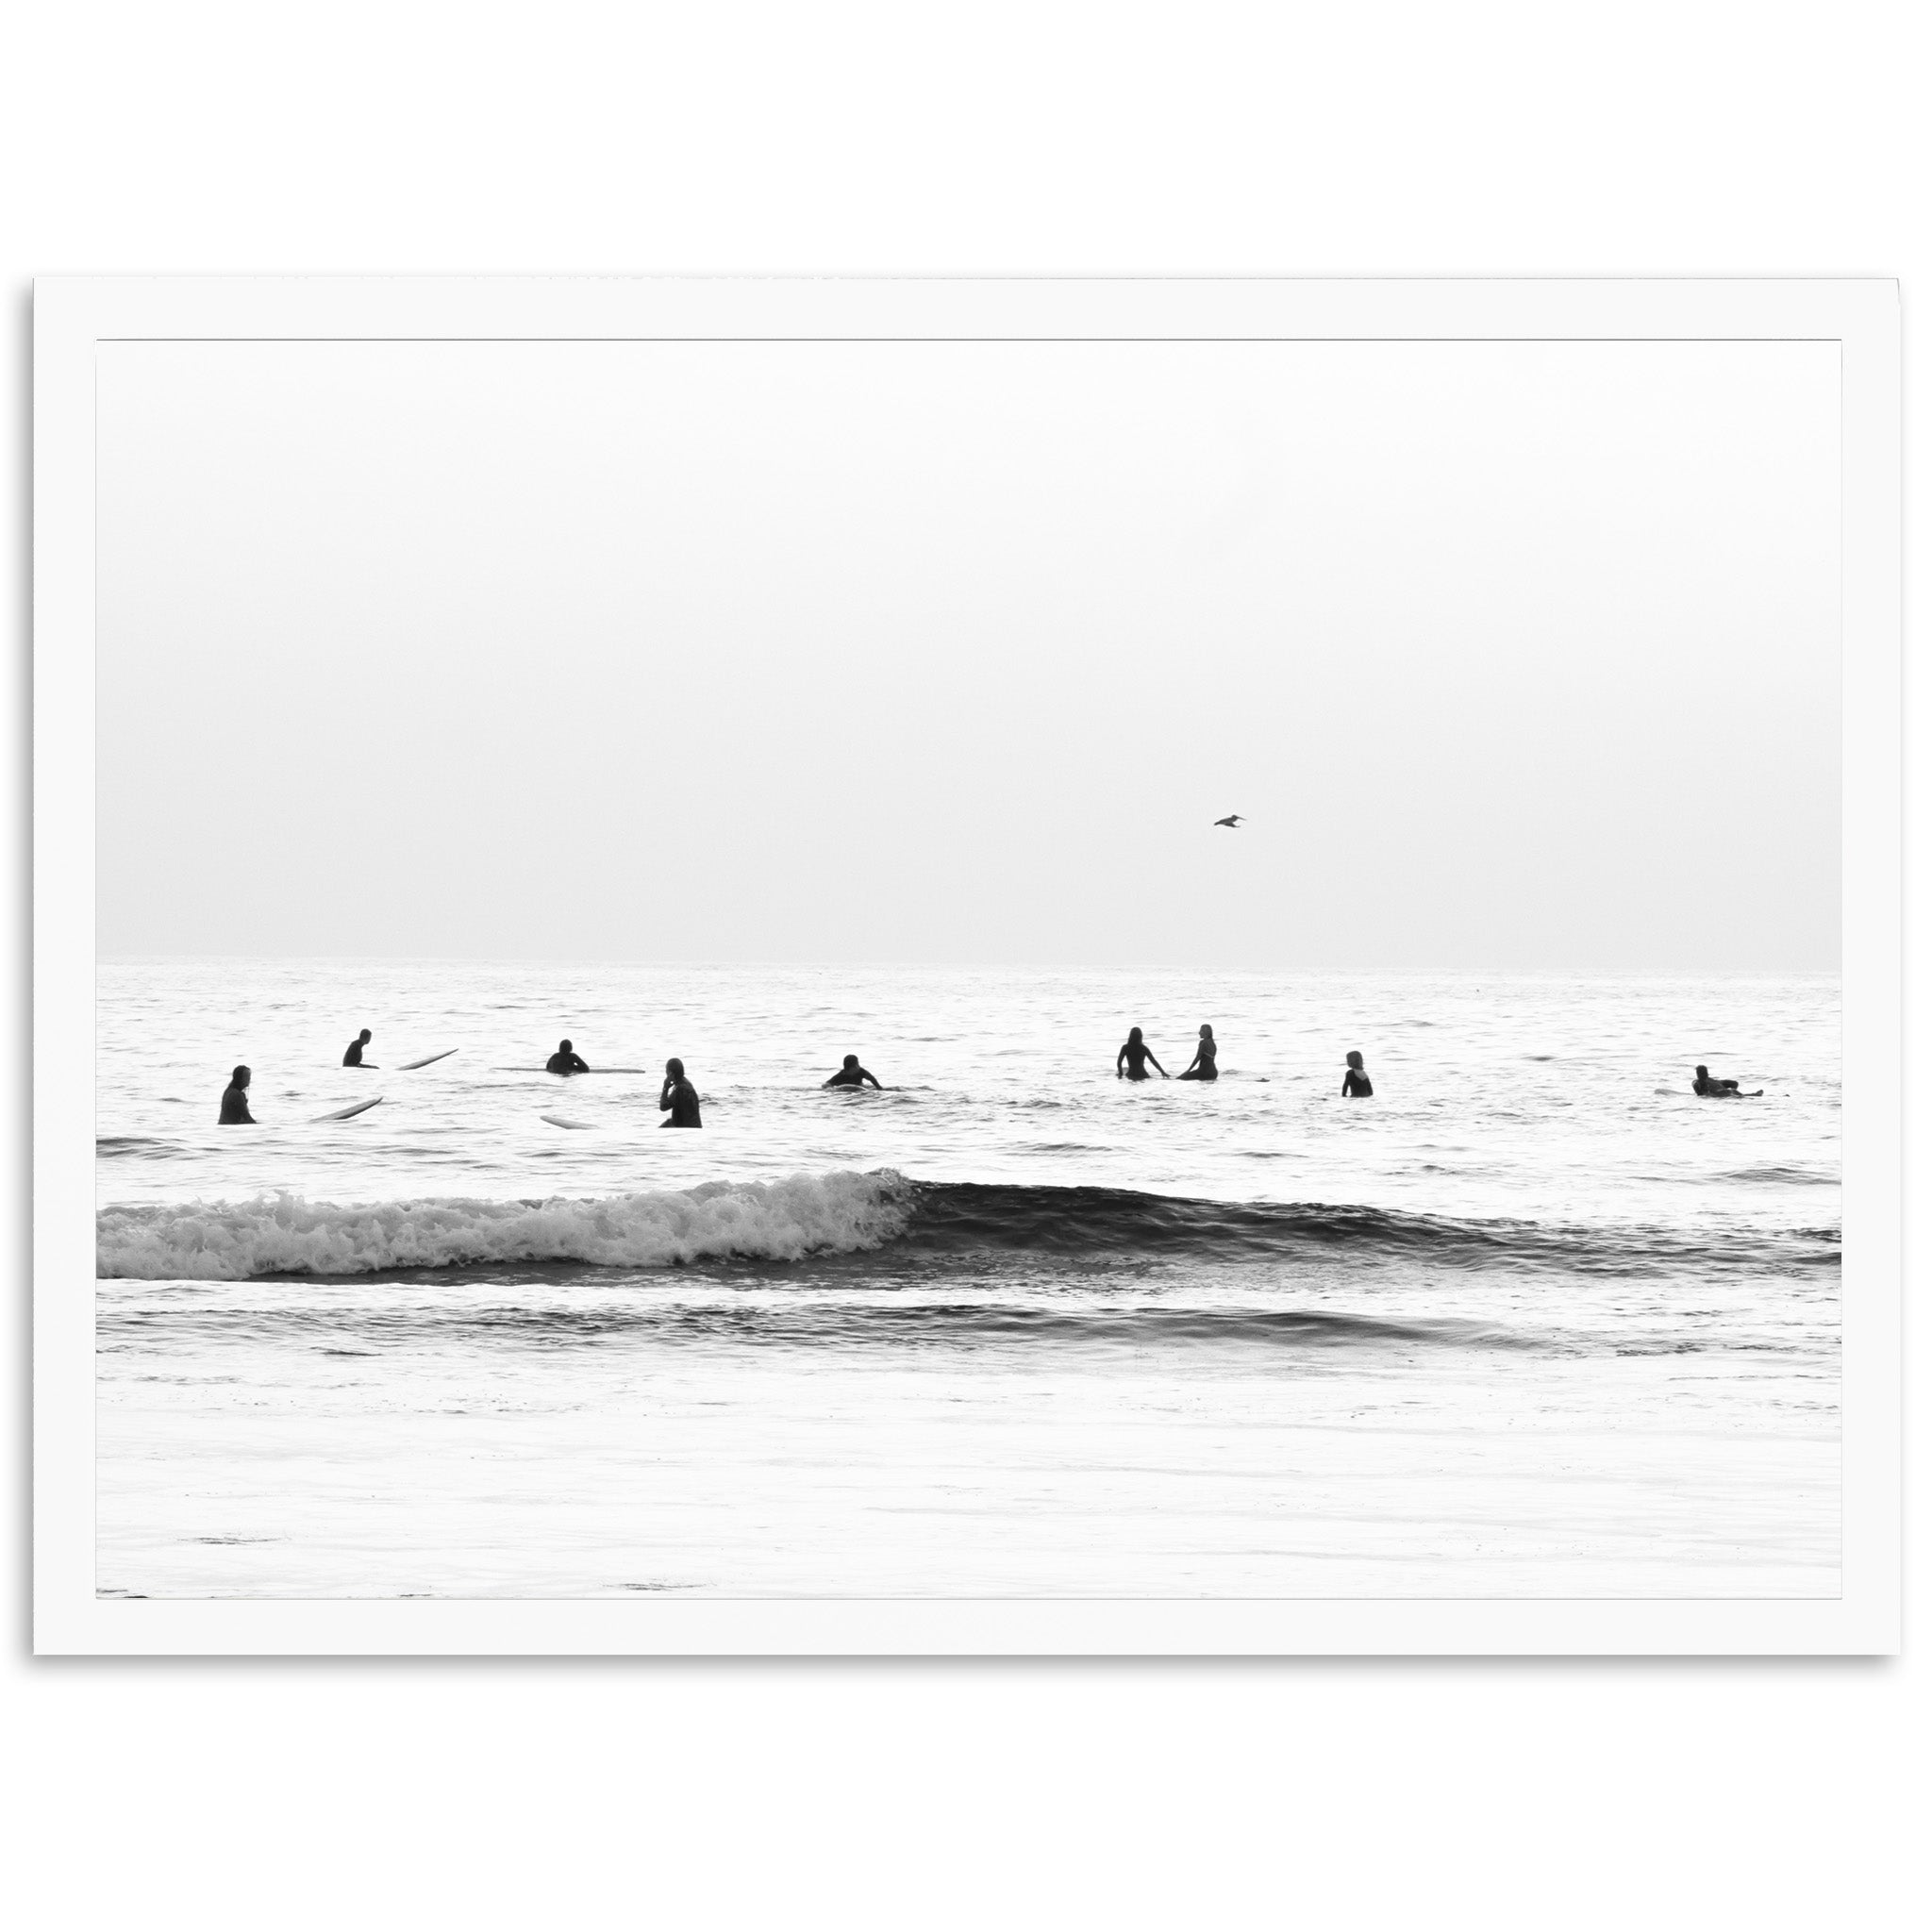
(347, 1113)
(410, 1066)
(558, 1120)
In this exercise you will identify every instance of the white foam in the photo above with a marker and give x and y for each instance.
(764, 1220)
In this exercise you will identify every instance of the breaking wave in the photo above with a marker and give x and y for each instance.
(775, 1221)
(855, 1213)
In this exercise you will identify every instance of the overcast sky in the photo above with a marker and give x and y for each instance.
(1512, 654)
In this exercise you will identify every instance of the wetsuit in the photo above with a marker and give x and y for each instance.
(353, 1056)
(1137, 1053)
(565, 1063)
(1357, 1086)
(683, 1105)
(235, 1108)
(858, 1077)
(1206, 1069)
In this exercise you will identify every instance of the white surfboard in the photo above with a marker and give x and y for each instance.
(410, 1066)
(347, 1113)
(558, 1120)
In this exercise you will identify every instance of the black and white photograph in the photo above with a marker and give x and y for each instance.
(974, 969)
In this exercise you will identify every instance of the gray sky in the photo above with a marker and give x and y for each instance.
(1514, 655)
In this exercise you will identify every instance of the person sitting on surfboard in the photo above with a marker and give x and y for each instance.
(852, 1075)
(565, 1062)
(353, 1056)
(235, 1101)
(1707, 1088)
(1201, 1066)
(679, 1098)
(1130, 1063)
(1355, 1084)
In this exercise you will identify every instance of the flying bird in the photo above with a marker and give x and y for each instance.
(1231, 821)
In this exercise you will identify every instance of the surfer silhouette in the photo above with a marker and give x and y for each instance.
(679, 1098)
(1130, 1063)
(1707, 1088)
(353, 1056)
(852, 1075)
(564, 1061)
(235, 1101)
(1233, 821)
(1201, 1066)
(1355, 1084)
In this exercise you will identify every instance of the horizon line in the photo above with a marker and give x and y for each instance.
(901, 965)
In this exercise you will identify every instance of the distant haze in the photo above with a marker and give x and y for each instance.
(1512, 654)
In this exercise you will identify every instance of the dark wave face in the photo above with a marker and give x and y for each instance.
(1096, 1221)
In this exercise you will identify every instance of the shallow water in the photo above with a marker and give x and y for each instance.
(1533, 1320)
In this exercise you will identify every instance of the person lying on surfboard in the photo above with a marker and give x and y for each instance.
(1130, 1063)
(565, 1062)
(1707, 1088)
(235, 1101)
(852, 1075)
(353, 1056)
(679, 1098)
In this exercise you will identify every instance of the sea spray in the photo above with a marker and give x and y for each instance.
(283, 1233)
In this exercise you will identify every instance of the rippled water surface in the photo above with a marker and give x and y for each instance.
(1532, 1320)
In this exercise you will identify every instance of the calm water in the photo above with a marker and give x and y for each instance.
(1533, 1320)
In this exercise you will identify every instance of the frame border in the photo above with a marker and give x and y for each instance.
(73, 315)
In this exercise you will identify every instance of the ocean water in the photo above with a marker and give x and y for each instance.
(1534, 1321)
